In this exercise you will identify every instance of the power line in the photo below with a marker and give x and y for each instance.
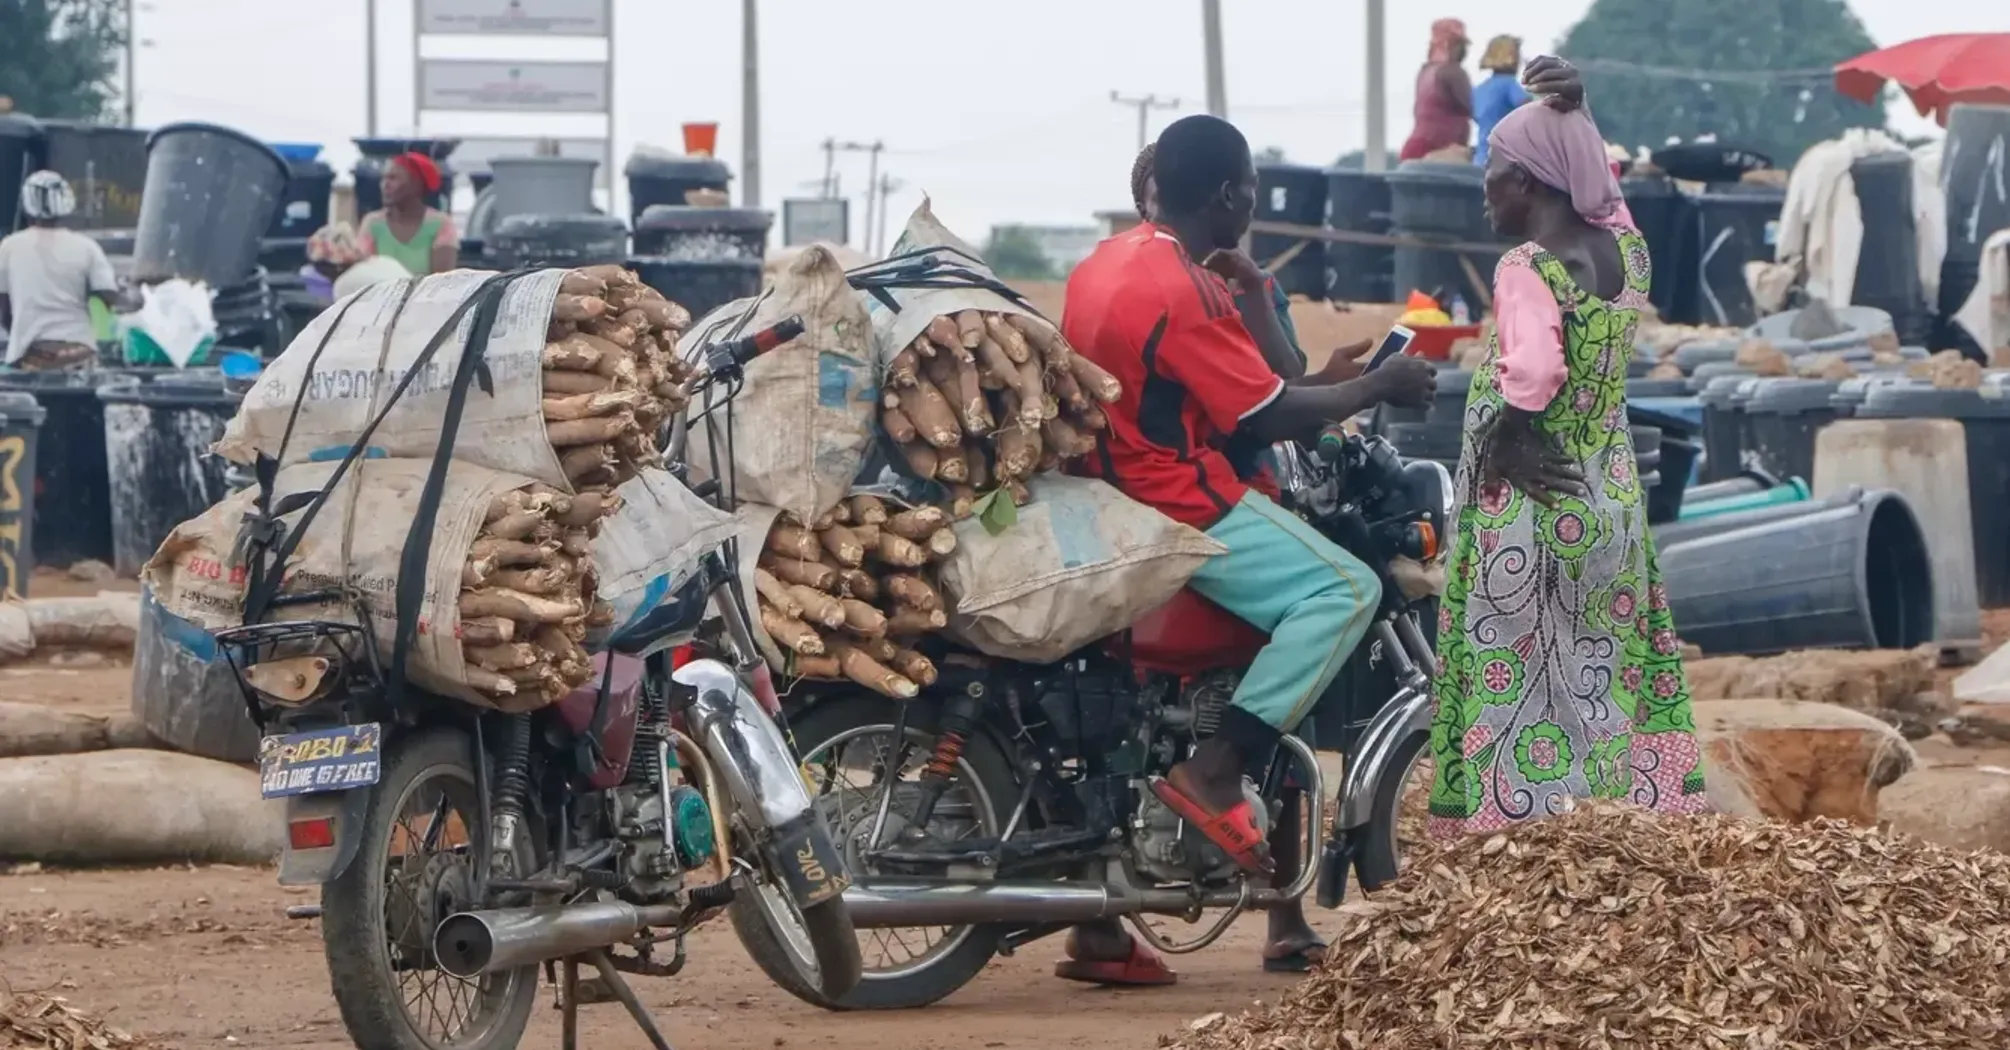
(1144, 104)
(1724, 76)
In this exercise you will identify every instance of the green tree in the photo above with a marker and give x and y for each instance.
(1016, 255)
(58, 57)
(1776, 96)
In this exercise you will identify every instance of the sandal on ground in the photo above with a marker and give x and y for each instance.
(1293, 956)
(1141, 969)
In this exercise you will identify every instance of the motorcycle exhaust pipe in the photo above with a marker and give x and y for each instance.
(474, 943)
(878, 903)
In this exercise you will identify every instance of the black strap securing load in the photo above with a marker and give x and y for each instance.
(266, 541)
(937, 267)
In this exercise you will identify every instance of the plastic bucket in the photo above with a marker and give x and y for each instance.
(542, 185)
(157, 440)
(658, 178)
(184, 690)
(699, 286)
(1852, 572)
(1699, 506)
(701, 139)
(676, 231)
(1783, 416)
(20, 431)
(211, 194)
(72, 494)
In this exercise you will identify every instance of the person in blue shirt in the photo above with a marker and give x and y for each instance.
(1498, 95)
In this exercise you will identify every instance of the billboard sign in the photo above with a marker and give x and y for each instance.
(514, 87)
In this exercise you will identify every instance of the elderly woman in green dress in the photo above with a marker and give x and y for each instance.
(1560, 672)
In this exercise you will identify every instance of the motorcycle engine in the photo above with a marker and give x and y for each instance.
(1168, 849)
(659, 845)
(1171, 850)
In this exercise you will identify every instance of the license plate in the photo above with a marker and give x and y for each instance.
(320, 760)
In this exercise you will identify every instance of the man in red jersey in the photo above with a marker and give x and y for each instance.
(1148, 308)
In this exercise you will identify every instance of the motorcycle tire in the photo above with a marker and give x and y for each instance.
(832, 941)
(1378, 860)
(941, 977)
(367, 987)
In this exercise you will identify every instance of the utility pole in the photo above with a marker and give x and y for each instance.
(872, 194)
(750, 107)
(1210, 27)
(1377, 144)
(872, 150)
(887, 184)
(132, 64)
(370, 66)
(1145, 106)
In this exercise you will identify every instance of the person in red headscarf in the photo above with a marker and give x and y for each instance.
(406, 229)
(1444, 109)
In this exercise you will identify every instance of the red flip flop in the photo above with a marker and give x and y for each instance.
(1234, 829)
(1143, 969)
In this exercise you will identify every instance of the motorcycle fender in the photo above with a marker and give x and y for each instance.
(1409, 711)
(312, 867)
(745, 746)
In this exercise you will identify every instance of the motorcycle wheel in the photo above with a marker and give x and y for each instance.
(1402, 802)
(813, 949)
(824, 735)
(378, 916)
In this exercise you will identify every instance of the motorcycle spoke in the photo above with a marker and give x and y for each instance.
(869, 797)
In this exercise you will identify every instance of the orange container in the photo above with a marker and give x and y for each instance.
(1433, 342)
(701, 140)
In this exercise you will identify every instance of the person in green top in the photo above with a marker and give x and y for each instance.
(420, 238)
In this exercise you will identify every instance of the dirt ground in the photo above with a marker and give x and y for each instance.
(205, 957)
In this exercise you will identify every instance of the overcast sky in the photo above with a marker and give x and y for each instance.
(1001, 117)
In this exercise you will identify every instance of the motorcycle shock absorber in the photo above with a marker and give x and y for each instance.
(962, 713)
(512, 788)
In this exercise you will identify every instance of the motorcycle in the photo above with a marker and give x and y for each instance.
(1011, 801)
(458, 849)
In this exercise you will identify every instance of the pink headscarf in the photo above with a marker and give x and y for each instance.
(1446, 33)
(1565, 152)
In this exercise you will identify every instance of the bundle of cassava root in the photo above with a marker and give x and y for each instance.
(611, 374)
(981, 401)
(527, 595)
(847, 595)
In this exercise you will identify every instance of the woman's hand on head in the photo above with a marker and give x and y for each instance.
(1514, 452)
(1556, 82)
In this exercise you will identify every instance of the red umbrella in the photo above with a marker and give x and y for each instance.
(1937, 71)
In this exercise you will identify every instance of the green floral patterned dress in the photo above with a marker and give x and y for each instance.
(1559, 670)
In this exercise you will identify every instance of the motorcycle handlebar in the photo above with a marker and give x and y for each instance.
(721, 358)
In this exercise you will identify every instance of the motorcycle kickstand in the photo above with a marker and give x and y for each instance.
(613, 981)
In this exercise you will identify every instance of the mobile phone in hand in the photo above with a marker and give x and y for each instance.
(1397, 341)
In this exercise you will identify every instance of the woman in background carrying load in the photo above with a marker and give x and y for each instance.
(406, 229)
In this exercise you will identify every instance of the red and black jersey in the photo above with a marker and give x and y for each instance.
(1168, 330)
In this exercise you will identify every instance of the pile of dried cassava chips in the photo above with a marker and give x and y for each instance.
(35, 1021)
(1613, 927)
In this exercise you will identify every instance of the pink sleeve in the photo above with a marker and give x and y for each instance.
(366, 245)
(447, 234)
(1530, 329)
